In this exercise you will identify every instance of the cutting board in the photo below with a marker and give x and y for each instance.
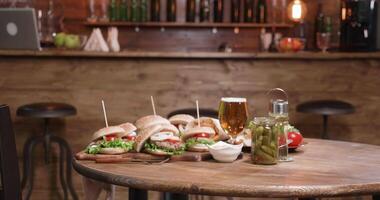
(187, 156)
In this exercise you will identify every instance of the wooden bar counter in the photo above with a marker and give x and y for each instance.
(126, 81)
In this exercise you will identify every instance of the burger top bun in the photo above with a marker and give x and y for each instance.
(181, 119)
(108, 131)
(145, 134)
(128, 127)
(169, 128)
(196, 130)
(150, 120)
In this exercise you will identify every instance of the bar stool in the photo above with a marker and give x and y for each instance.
(326, 108)
(47, 111)
(193, 112)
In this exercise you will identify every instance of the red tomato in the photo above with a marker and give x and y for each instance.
(171, 141)
(130, 137)
(296, 138)
(111, 137)
(202, 135)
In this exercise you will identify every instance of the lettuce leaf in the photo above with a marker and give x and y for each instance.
(193, 141)
(117, 143)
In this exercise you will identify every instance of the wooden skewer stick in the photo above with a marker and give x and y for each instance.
(104, 112)
(154, 108)
(199, 121)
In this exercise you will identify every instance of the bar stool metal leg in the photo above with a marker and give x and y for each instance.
(68, 156)
(324, 133)
(47, 140)
(28, 176)
(61, 170)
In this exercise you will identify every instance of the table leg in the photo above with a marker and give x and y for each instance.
(137, 194)
(324, 133)
(175, 196)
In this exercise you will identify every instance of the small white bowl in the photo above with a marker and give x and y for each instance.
(224, 152)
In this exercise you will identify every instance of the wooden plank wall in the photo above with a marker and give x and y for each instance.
(127, 84)
(190, 39)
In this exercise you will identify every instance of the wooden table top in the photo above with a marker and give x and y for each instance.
(324, 168)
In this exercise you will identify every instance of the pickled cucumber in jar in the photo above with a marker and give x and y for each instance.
(264, 141)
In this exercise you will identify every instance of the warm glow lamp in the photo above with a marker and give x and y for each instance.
(297, 10)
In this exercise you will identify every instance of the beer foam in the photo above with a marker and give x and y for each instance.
(234, 99)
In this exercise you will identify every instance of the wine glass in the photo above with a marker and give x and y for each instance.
(323, 41)
(233, 115)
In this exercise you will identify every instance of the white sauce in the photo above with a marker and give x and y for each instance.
(161, 136)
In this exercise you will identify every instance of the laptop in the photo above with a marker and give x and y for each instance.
(18, 29)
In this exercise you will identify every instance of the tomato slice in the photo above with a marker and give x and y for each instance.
(130, 137)
(202, 135)
(171, 141)
(111, 137)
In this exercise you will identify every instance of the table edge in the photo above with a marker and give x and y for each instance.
(259, 192)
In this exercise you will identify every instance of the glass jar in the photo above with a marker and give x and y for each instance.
(264, 141)
(281, 123)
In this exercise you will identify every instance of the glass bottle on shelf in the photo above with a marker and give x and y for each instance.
(204, 11)
(143, 10)
(123, 10)
(135, 11)
(155, 8)
(235, 10)
(261, 11)
(51, 25)
(104, 11)
(190, 10)
(112, 11)
(218, 10)
(91, 7)
(249, 7)
(171, 10)
(319, 22)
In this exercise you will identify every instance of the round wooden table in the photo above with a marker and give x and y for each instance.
(324, 168)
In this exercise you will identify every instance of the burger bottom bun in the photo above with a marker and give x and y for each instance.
(112, 151)
(157, 152)
(198, 148)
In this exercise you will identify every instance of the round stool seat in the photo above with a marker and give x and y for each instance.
(326, 107)
(46, 110)
(193, 112)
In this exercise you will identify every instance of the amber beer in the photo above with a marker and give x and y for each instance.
(233, 115)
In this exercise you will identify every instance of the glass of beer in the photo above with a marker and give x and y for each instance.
(233, 115)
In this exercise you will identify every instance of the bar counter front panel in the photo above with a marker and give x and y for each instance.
(126, 85)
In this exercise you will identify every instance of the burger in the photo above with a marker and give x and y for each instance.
(159, 140)
(109, 141)
(220, 135)
(130, 132)
(150, 120)
(197, 138)
(180, 121)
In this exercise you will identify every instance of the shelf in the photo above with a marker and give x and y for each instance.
(56, 53)
(187, 25)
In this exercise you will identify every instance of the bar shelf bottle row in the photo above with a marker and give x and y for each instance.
(218, 11)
